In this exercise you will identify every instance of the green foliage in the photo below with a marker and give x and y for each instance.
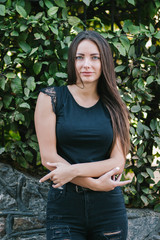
(35, 36)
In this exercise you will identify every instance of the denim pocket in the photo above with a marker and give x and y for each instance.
(58, 232)
(55, 193)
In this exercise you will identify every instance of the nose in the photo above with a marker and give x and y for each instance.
(87, 63)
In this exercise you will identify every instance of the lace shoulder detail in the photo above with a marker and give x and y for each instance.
(50, 91)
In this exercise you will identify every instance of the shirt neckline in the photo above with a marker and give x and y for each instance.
(86, 108)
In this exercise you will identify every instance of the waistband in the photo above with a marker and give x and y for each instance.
(72, 187)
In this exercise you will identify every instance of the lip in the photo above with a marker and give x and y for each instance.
(87, 73)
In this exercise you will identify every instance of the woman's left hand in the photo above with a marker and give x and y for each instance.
(60, 175)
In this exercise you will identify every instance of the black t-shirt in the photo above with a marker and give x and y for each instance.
(83, 134)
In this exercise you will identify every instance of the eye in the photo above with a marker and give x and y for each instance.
(79, 57)
(95, 57)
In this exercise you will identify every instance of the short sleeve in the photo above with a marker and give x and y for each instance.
(51, 91)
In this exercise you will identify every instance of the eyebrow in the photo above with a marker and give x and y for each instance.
(90, 54)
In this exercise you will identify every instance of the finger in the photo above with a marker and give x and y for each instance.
(46, 177)
(56, 185)
(52, 164)
(113, 178)
(122, 183)
(114, 171)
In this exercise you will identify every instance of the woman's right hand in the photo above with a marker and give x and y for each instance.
(108, 181)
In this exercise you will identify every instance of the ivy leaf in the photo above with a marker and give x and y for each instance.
(7, 100)
(60, 3)
(145, 200)
(24, 105)
(31, 83)
(157, 35)
(25, 46)
(33, 51)
(2, 149)
(144, 174)
(73, 21)
(120, 68)
(139, 178)
(16, 85)
(87, 2)
(131, 2)
(153, 124)
(150, 172)
(52, 11)
(135, 108)
(120, 48)
(61, 75)
(140, 128)
(2, 82)
(150, 79)
(151, 28)
(2, 10)
(157, 207)
(48, 4)
(125, 42)
(21, 11)
(37, 67)
(50, 81)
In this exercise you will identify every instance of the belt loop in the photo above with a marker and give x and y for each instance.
(77, 189)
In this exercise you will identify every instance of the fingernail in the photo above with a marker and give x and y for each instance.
(40, 181)
(48, 162)
(117, 168)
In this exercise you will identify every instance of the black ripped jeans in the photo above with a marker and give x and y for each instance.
(75, 213)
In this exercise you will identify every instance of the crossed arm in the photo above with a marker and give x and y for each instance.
(82, 174)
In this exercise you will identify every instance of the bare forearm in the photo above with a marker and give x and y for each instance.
(52, 158)
(86, 182)
(96, 169)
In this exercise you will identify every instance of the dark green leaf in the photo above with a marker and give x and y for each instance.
(61, 75)
(135, 108)
(87, 2)
(2, 82)
(157, 207)
(16, 85)
(21, 11)
(52, 11)
(2, 10)
(120, 68)
(120, 48)
(24, 105)
(7, 100)
(157, 35)
(60, 3)
(145, 200)
(37, 67)
(131, 2)
(48, 3)
(139, 178)
(150, 172)
(73, 20)
(31, 83)
(125, 42)
(25, 46)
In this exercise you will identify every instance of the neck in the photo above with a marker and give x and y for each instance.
(86, 90)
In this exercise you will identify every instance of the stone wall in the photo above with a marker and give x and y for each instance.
(22, 210)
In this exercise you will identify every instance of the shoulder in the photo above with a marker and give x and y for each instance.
(50, 95)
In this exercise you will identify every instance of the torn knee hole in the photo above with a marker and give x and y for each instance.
(111, 233)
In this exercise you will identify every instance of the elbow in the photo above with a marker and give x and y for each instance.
(44, 162)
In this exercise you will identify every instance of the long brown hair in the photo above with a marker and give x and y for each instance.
(107, 87)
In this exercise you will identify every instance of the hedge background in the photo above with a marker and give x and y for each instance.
(34, 40)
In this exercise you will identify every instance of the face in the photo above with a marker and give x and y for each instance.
(88, 63)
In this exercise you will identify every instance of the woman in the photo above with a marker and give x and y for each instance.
(83, 135)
